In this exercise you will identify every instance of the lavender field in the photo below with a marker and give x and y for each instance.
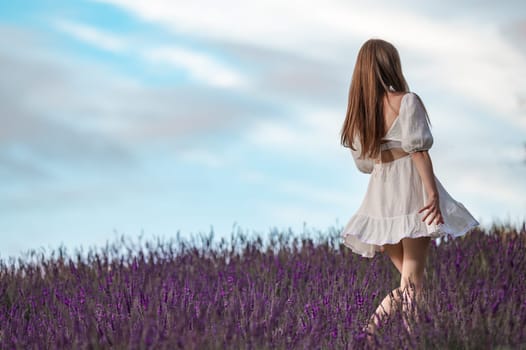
(281, 291)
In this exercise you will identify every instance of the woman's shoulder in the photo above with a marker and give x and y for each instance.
(412, 96)
(394, 100)
(407, 97)
(410, 102)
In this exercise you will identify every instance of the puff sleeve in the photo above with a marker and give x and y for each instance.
(415, 132)
(364, 165)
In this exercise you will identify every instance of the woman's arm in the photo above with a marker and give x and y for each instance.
(424, 166)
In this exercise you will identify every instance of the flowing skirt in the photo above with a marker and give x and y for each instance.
(389, 211)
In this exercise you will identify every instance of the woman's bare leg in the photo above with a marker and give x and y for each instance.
(415, 255)
(409, 257)
(396, 254)
(385, 309)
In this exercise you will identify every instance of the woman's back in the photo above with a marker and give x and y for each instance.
(408, 132)
(391, 102)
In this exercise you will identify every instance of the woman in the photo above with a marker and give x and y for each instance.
(405, 206)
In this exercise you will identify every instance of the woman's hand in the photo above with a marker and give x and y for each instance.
(434, 213)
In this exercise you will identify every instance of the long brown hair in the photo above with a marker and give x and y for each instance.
(377, 69)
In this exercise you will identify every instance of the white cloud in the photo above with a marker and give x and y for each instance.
(269, 24)
(200, 66)
(58, 109)
(464, 55)
(308, 132)
(93, 36)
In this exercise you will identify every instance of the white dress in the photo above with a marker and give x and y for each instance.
(395, 193)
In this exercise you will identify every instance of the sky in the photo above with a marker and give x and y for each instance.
(157, 118)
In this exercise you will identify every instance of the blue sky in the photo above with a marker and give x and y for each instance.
(153, 117)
